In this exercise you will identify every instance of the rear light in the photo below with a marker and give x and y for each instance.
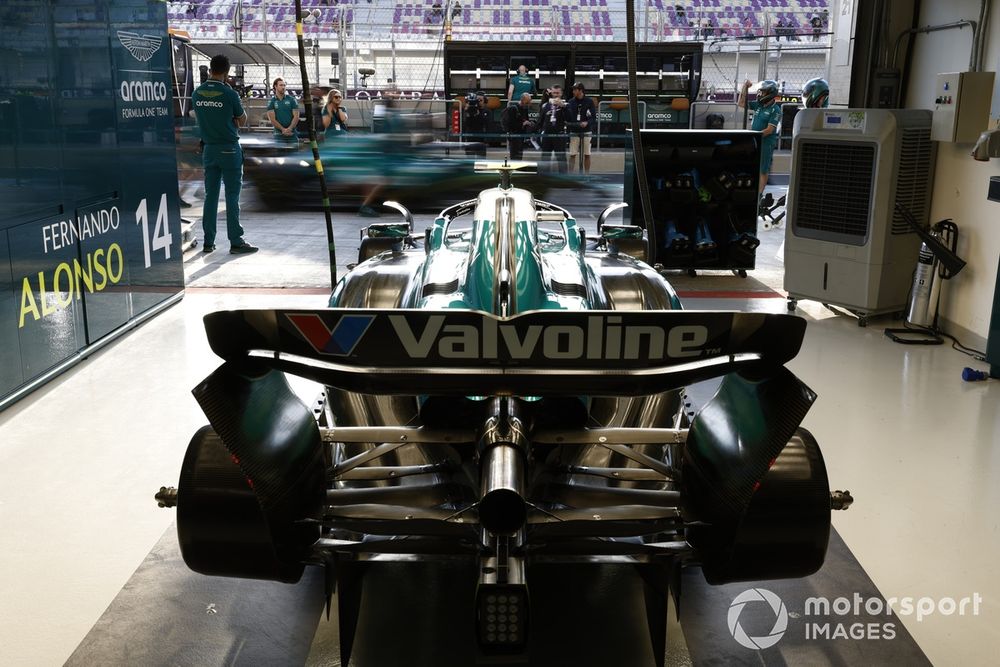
(502, 617)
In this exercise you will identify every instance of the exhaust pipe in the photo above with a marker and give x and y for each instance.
(502, 449)
(502, 510)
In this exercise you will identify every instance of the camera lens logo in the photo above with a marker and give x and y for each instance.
(780, 618)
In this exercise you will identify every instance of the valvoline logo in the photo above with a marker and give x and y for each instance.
(476, 337)
(340, 341)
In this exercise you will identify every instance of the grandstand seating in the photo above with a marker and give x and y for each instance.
(531, 19)
(504, 19)
(213, 18)
(743, 19)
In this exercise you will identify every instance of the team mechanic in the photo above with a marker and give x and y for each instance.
(218, 110)
(766, 119)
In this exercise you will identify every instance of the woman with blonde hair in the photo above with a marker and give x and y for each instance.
(334, 116)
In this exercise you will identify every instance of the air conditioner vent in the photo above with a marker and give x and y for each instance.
(913, 177)
(834, 187)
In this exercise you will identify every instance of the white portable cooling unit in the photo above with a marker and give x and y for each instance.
(845, 242)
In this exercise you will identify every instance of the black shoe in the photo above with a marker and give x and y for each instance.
(243, 249)
(208, 247)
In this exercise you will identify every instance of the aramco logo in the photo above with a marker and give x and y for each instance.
(773, 602)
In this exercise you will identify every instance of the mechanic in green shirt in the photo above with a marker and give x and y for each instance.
(283, 112)
(520, 84)
(218, 110)
(766, 118)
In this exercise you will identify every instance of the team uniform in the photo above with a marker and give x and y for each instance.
(762, 117)
(336, 127)
(523, 83)
(284, 112)
(216, 106)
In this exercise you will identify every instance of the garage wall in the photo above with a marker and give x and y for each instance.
(960, 182)
(89, 218)
(844, 20)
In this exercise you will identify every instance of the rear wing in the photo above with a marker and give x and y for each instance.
(496, 166)
(461, 352)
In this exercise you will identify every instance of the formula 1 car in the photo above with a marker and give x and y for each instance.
(421, 175)
(506, 396)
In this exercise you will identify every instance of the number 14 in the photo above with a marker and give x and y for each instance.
(161, 238)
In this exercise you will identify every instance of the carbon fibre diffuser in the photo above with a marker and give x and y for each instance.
(273, 439)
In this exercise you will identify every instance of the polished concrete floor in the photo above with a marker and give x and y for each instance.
(81, 458)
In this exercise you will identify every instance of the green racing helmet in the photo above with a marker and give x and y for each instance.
(767, 91)
(816, 93)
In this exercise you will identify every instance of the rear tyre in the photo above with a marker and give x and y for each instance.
(786, 527)
(220, 526)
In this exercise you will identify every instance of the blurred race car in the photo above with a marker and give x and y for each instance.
(506, 396)
(422, 175)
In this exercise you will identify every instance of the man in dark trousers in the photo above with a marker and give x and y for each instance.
(552, 118)
(517, 123)
(218, 110)
(475, 123)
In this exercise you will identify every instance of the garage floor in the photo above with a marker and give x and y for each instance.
(81, 458)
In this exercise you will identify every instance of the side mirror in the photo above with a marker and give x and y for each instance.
(405, 212)
(606, 213)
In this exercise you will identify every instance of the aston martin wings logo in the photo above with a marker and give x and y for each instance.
(141, 47)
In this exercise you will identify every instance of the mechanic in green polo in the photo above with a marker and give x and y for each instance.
(520, 84)
(218, 110)
(766, 119)
(283, 112)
